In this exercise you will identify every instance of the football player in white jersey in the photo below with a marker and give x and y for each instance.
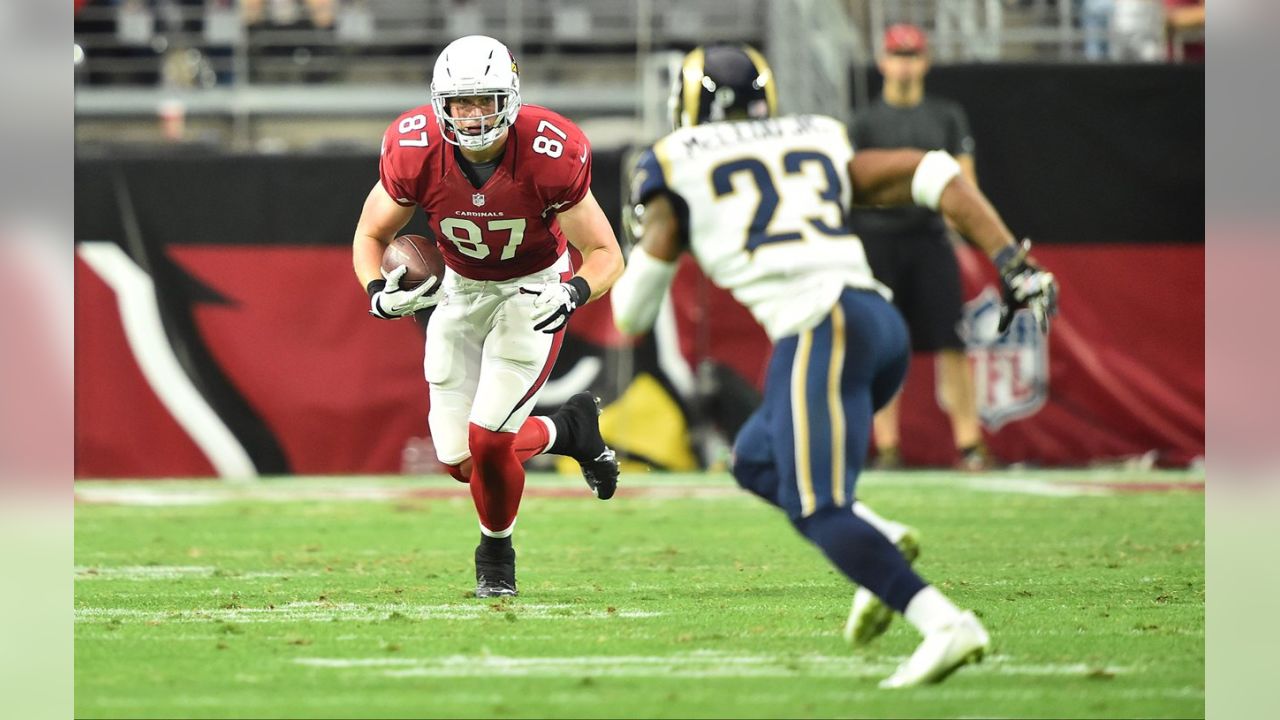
(760, 203)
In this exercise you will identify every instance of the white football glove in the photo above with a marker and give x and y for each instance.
(555, 302)
(390, 302)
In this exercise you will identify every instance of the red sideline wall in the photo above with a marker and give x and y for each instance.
(1126, 358)
(342, 392)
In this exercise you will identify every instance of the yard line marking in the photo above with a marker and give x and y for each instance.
(1043, 488)
(699, 664)
(176, 572)
(360, 612)
(141, 572)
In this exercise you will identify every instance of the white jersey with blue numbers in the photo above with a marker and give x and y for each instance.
(763, 204)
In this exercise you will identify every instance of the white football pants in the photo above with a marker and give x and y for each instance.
(484, 362)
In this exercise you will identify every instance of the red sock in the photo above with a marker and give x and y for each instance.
(497, 477)
(532, 438)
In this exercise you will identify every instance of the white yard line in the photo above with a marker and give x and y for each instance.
(142, 572)
(701, 664)
(358, 612)
(1043, 488)
(175, 572)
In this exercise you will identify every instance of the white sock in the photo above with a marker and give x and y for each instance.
(930, 610)
(888, 528)
(498, 533)
(551, 431)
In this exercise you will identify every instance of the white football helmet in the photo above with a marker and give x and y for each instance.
(476, 65)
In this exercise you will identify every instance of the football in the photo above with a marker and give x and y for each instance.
(419, 254)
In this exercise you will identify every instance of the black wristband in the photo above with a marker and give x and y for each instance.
(581, 287)
(374, 287)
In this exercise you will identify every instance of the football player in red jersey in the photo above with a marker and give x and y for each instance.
(503, 186)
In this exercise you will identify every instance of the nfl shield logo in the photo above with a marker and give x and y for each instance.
(1010, 372)
(477, 199)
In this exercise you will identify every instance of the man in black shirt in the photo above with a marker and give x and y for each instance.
(909, 248)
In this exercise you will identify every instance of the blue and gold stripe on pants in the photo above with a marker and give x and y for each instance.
(817, 413)
(803, 449)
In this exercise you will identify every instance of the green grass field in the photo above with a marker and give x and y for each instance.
(681, 597)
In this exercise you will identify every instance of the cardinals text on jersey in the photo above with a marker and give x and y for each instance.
(506, 228)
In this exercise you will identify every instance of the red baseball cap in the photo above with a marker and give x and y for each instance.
(905, 38)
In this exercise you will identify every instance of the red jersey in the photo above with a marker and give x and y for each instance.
(507, 227)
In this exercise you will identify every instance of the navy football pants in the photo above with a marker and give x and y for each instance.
(803, 449)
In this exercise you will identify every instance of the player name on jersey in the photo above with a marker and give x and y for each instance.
(766, 202)
(719, 135)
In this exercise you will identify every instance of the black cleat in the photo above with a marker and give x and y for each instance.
(495, 571)
(581, 414)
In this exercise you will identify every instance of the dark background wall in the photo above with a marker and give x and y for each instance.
(1073, 154)
(1086, 153)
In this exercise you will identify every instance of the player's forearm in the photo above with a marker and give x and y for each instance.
(972, 215)
(601, 267)
(380, 220)
(366, 258)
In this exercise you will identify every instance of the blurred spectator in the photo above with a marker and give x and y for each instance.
(156, 41)
(289, 13)
(1095, 21)
(1185, 22)
(308, 58)
(1138, 31)
(909, 248)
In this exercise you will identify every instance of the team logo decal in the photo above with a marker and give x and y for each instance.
(478, 199)
(1010, 373)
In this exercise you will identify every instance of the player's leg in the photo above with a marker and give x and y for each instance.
(515, 363)
(753, 464)
(935, 318)
(870, 616)
(790, 453)
(955, 385)
(454, 341)
(890, 259)
(888, 441)
(576, 434)
(454, 359)
(823, 434)
(951, 637)
(796, 451)
(573, 431)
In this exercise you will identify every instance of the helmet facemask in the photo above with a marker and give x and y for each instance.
(474, 132)
(475, 66)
